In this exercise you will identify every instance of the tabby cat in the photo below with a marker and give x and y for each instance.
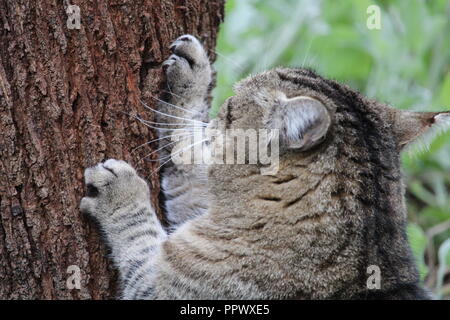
(334, 208)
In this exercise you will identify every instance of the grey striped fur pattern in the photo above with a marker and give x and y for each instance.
(310, 231)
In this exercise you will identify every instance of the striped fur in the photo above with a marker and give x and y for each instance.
(129, 223)
(310, 231)
(188, 79)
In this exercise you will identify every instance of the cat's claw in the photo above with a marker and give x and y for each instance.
(188, 66)
(190, 49)
(111, 185)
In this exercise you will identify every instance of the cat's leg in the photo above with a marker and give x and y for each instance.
(188, 73)
(119, 200)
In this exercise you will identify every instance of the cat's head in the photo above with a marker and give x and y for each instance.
(311, 112)
(337, 200)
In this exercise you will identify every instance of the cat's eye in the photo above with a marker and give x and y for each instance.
(91, 191)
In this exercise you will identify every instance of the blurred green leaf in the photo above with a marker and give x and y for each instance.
(444, 95)
(444, 264)
(418, 241)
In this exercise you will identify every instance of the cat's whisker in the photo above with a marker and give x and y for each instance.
(184, 149)
(192, 129)
(184, 125)
(173, 94)
(263, 65)
(238, 66)
(170, 90)
(161, 148)
(312, 62)
(169, 115)
(170, 129)
(307, 53)
(183, 128)
(173, 105)
(168, 156)
(161, 138)
(144, 122)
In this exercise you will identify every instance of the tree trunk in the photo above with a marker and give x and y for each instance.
(64, 98)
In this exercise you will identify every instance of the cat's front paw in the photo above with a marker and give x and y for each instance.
(188, 68)
(112, 186)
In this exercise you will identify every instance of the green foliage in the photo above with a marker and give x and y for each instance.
(444, 266)
(418, 241)
(406, 64)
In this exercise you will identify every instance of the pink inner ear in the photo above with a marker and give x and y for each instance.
(442, 117)
(410, 125)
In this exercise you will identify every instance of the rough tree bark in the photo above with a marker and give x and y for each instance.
(62, 97)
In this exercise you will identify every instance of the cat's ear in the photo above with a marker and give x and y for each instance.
(409, 125)
(305, 124)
